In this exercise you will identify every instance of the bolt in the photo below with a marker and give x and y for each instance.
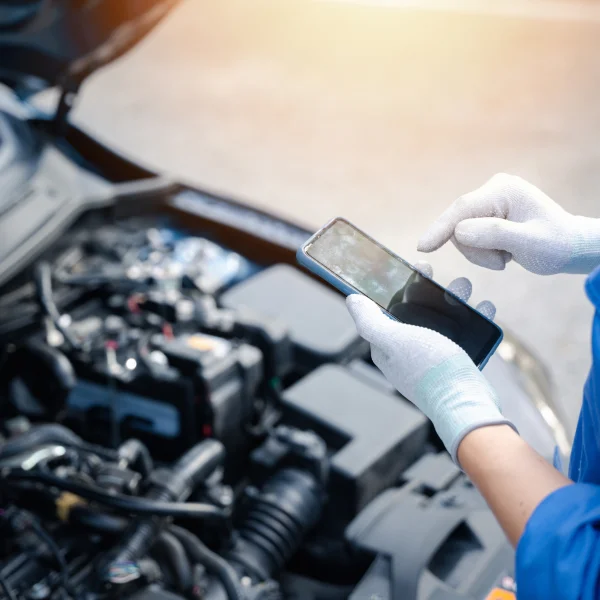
(39, 591)
(225, 496)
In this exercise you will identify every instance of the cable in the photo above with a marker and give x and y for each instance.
(84, 516)
(43, 282)
(7, 589)
(16, 320)
(135, 454)
(52, 433)
(143, 351)
(174, 552)
(18, 295)
(118, 502)
(60, 559)
(213, 562)
(175, 484)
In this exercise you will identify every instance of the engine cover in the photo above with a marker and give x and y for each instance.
(375, 434)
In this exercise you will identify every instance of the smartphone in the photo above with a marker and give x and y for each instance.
(354, 262)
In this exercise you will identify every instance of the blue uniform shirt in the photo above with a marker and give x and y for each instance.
(558, 555)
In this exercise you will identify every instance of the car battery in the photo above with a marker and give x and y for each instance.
(225, 375)
(373, 433)
(269, 335)
(320, 327)
(193, 386)
(158, 408)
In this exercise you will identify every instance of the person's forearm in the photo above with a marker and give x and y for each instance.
(510, 475)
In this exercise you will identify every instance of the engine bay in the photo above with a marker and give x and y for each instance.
(184, 413)
(180, 421)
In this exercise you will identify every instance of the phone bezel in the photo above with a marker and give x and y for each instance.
(322, 271)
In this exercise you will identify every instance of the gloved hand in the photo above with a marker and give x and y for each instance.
(508, 218)
(429, 369)
(414, 304)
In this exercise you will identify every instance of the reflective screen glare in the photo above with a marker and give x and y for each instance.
(374, 271)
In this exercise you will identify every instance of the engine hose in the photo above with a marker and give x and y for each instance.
(139, 537)
(170, 548)
(94, 520)
(118, 502)
(7, 589)
(51, 433)
(47, 539)
(278, 518)
(267, 591)
(133, 453)
(197, 464)
(193, 468)
(43, 283)
(211, 561)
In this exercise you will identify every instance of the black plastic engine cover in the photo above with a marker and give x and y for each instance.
(375, 434)
(432, 539)
(320, 327)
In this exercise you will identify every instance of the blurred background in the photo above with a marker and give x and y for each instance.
(383, 112)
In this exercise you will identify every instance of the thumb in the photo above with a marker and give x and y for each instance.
(489, 233)
(371, 323)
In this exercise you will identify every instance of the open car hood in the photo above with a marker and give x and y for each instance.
(54, 44)
(45, 43)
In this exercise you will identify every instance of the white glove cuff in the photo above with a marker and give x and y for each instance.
(585, 253)
(458, 399)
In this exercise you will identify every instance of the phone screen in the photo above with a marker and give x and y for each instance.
(402, 291)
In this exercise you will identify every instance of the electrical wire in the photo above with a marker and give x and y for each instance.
(8, 592)
(173, 551)
(214, 563)
(52, 433)
(118, 502)
(89, 518)
(143, 351)
(17, 319)
(43, 282)
(46, 538)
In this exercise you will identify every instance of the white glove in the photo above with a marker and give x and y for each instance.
(508, 218)
(429, 369)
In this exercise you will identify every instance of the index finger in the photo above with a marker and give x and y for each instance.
(489, 200)
(469, 206)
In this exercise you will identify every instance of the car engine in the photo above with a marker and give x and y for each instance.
(179, 421)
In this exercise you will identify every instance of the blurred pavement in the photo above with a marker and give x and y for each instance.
(380, 114)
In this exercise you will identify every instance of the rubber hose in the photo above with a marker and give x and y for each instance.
(86, 517)
(268, 591)
(118, 502)
(138, 538)
(211, 561)
(193, 468)
(198, 463)
(172, 549)
(51, 433)
(43, 282)
(134, 453)
(287, 507)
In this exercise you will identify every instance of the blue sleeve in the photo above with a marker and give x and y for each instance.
(558, 555)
